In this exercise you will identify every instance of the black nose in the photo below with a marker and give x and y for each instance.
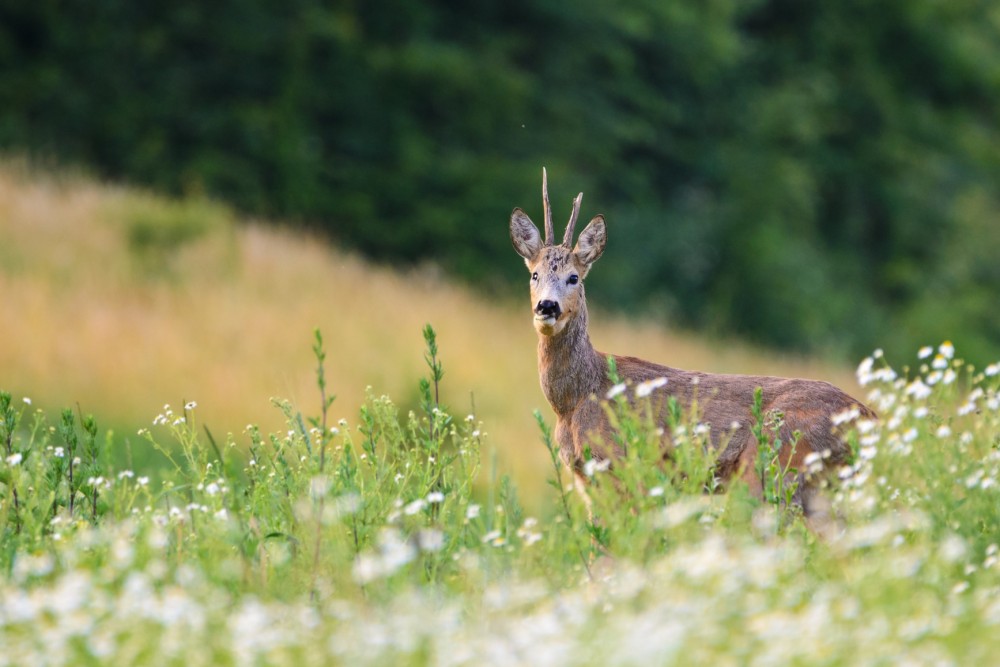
(548, 309)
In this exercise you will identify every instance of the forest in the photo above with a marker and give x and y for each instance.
(812, 176)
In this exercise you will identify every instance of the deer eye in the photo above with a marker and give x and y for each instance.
(534, 276)
(573, 279)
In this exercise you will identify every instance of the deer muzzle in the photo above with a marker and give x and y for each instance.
(548, 309)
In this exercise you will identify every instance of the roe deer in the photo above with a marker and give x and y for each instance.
(574, 376)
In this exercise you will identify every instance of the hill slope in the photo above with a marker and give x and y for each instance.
(120, 301)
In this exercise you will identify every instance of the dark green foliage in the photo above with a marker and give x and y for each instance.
(811, 175)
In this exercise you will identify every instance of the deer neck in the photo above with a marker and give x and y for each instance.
(569, 368)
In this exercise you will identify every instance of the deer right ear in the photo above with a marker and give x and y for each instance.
(524, 235)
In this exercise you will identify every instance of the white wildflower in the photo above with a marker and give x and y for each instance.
(846, 416)
(943, 431)
(526, 533)
(190, 405)
(27, 401)
(656, 491)
(615, 390)
(414, 507)
(393, 553)
(884, 374)
(430, 539)
(925, 352)
(644, 389)
(492, 536)
(14, 459)
(992, 369)
(529, 537)
(952, 549)
(973, 479)
(319, 486)
(814, 462)
(435, 497)
(946, 349)
(918, 389)
(910, 435)
(865, 426)
(593, 466)
(864, 372)
(472, 511)
(679, 512)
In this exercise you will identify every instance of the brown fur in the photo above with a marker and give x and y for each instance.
(574, 377)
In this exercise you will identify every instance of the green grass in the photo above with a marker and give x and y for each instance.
(367, 541)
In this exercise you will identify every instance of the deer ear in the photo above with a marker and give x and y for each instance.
(524, 235)
(592, 240)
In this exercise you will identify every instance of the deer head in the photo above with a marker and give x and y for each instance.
(557, 271)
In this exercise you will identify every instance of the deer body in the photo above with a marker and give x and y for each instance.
(574, 376)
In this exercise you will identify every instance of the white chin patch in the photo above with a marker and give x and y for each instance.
(545, 325)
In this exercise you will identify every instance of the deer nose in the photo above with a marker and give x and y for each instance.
(548, 309)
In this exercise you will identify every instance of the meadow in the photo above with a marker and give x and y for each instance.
(377, 526)
(122, 301)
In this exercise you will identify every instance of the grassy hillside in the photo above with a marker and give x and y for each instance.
(119, 302)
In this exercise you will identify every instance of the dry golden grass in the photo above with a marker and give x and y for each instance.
(228, 319)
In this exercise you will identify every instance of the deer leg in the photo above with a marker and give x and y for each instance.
(580, 484)
(747, 470)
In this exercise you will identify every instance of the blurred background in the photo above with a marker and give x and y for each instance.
(811, 178)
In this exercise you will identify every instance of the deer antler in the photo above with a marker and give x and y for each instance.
(549, 233)
(568, 236)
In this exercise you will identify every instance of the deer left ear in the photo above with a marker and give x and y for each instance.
(591, 243)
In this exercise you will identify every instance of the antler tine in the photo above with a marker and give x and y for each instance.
(549, 233)
(568, 236)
